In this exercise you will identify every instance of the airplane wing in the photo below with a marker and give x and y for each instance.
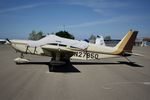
(135, 54)
(60, 50)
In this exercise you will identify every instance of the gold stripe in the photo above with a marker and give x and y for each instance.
(123, 43)
(19, 43)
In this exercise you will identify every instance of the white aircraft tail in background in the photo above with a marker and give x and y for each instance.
(99, 40)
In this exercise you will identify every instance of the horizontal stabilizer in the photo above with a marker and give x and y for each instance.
(135, 54)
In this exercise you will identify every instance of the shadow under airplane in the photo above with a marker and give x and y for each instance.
(69, 68)
(131, 64)
(66, 68)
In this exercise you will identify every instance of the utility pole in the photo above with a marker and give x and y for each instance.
(64, 27)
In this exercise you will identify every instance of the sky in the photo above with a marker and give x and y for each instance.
(82, 18)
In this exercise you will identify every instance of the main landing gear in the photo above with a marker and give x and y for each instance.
(129, 61)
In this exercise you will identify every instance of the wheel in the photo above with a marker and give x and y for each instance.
(21, 55)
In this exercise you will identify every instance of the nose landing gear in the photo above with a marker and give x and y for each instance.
(21, 59)
(21, 56)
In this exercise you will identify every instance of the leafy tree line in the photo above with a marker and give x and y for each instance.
(35, 35)
(38, 35)
(65, 34)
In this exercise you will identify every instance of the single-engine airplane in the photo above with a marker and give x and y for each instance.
(61, 50)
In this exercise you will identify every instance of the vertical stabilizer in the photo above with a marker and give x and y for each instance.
(100, 40)
(126, 44)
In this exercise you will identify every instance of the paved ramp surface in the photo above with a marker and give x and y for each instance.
(108, 79)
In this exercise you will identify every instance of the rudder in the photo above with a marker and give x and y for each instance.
(126, 44)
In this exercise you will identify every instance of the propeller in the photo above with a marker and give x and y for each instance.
(8, 41)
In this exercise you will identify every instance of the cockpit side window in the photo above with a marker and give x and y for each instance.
(62, 45)
(52, 44)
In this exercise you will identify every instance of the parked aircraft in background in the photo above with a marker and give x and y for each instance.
(2, 41)
(99, 40)
(61, 50)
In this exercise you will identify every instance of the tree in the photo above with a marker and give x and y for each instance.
(35, 36)
(92, 39)
(65, 34)
(39, 35)
(32, 35)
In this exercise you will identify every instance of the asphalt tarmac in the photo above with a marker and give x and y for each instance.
(107, 79)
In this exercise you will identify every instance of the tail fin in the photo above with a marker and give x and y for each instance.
(99, 40)
(126, 44)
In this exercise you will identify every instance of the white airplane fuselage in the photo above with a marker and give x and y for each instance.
(62, 49)
(92, 52)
